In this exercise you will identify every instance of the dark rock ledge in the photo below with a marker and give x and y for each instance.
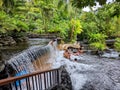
(65, 81)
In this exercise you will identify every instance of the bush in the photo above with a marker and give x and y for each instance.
(98, 46)
(75, 28)
(39, 31)
(98, 37)
(97, 41)
(117, 44)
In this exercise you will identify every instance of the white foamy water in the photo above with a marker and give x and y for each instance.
(91, 72)
(78, 80)
(88, 73)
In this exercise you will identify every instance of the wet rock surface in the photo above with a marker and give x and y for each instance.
(7, 41)
(91, 72)
(111, 53)
(98, 73)
(65, 81)
(10, 41)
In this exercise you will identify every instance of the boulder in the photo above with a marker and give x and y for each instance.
(21, 39)
(65, 81)
(7, 41)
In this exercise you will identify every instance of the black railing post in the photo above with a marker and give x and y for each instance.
(58, 76)
(44, 81)
(50, 80)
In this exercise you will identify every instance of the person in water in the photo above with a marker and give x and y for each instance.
(52, 41)
(79, 52)
(66, 54)
(75, 59)
(70, 56)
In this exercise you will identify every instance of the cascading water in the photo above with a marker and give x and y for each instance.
(32, 59)
(91, 72)
(88, 73)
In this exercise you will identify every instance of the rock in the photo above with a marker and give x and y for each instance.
(21, 39)
(110, 42)
(1, 44)
(3, 75)
(111, 54)
(2, 66)
(65, 81)
(7, 41)
(88, 86)
(12, 43)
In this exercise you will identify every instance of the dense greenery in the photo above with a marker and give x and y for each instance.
(62, 17)
(44, 16)
(117, 44)
(84, 3)
(101, 24)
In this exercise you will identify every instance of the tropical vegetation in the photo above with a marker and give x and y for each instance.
(65, 18)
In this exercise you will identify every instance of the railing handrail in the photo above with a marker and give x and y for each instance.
(12, 79)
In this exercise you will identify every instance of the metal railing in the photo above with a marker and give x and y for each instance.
(40, 80)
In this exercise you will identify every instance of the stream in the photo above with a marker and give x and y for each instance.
(91, 72)
(8, 52)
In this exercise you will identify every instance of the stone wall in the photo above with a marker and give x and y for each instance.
(9, 41)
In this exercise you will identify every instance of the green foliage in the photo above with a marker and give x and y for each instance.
(8, 5)
(39, 31)
(11, 25)
(84, 3)
(61, 17)
(20, 25)
(105, 20)
(107, 17)
(98, 46)
(117, 44)
(60, 3)
(60, 28)
(39, 16)
(97, 37)
(89, 24)
(97, 41)
(75, 29)
(114, 27)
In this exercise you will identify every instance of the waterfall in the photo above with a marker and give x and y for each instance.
(32, 59)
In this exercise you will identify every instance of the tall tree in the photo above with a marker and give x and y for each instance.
(84, 3)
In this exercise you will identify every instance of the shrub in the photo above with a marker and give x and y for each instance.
(75, 29)
(97, 37)
(117, 44)
(98, 46)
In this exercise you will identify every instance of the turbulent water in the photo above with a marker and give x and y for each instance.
(8, 52)
(34, 58)
(88, 73)
(91, 72)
